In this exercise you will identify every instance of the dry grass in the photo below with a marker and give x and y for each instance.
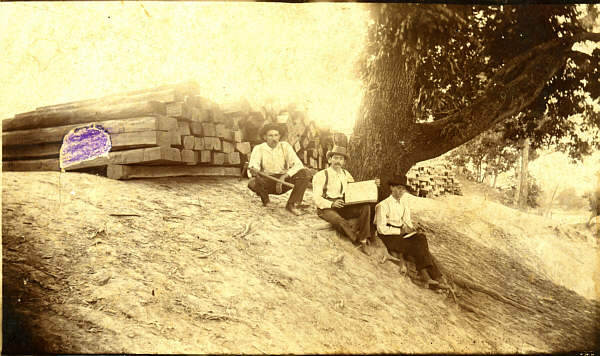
(205, 269)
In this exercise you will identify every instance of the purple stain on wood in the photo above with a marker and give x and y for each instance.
(84, 143)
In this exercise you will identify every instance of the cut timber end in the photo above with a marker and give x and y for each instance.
(196, 128)
(233, 158)
(208, 143)
(208, 129)
(189, 142)
(174, 109)
(227, 147)
(183, 128)
(237, 136)
(205, 156)
(218, 158)
(216, 144)
(222, 131)
(175, 138)
(198, 143)
(129, 172)
(189, 157)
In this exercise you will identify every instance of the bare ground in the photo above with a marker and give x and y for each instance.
(200, 266)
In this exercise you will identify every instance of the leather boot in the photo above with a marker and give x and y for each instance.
(347, 229)
(425, 277)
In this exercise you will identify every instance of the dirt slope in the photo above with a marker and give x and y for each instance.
(181, 277)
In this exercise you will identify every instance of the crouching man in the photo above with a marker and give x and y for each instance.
(395, 229)
(329, 186)
(278, 160)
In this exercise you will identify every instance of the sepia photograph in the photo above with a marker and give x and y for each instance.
(300, 178)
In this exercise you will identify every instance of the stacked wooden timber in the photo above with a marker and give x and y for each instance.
(433, 180)
(159, 132)
(310, 142)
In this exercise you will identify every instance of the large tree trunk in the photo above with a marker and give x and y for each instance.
(524, 191)
(387, 139)
(382, 143)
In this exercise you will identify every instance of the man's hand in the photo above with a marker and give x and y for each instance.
(338, 203)
(407, 230)
(253, 171)
(378, 182)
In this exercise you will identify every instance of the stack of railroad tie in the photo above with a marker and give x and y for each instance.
(166, 131)
(433, 180)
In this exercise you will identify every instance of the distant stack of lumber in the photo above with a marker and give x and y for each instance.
(166, 131)
(433, 180)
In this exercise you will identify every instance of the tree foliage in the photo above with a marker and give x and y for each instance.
(437, 76)
(457, 69)
(488, 155)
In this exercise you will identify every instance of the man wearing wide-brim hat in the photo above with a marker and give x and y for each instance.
(277, 159)
(329, 187)
(396, 230)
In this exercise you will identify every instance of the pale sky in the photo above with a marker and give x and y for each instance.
(302, 53)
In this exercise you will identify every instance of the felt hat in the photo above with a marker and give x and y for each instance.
(337, 150)
(397, 180)
(273, 126)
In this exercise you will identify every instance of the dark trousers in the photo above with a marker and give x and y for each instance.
(416, 247)
(338, 217)
(261, 185)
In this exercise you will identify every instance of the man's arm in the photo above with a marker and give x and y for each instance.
(255, 160)
(406, 218)
(292, 159)
(318, 182)
(381, 211)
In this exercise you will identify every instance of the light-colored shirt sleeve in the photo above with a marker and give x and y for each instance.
(255, 159)
(406, 217)
(318, 182)
(349, 177)
(292, 159)
(381, 213)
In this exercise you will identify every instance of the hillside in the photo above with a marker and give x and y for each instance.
(188, 265)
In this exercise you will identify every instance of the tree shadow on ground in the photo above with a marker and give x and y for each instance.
(532, 304)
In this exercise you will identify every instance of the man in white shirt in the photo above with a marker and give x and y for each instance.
(396, 230)
(329, 186)
(279, 160)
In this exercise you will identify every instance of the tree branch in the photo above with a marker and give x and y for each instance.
(511, 90)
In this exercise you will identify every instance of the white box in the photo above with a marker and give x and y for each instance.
(361, 192)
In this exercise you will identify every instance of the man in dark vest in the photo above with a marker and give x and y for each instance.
(396, 230)
(278, 160)
(329, 186)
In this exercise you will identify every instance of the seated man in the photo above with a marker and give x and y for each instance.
(328, 194)
(395, 229)
(278, 160)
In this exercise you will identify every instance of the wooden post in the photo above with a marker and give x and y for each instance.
(524, 176)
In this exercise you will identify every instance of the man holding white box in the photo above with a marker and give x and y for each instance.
(329, 188)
